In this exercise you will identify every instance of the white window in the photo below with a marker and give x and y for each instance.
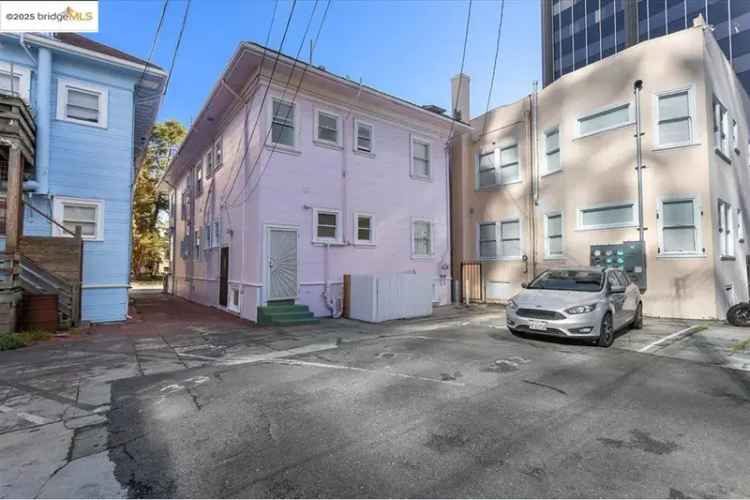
(72, 213)
(421, 236)
(209, 163)
(679, 227)
(327, 128)
(726, 230)
(674, 117)
(234, 296)
(197, 254)
(608, 216)
(327, 228)
(364, 137)
(364, 230)
(283, 125)
(219, 153)
(553, 235)
(510, 238)
(486, 169)
(606, 119)
(420, 159)
(199, 177)
(488, 240)
(735, 136)
(552, 150)
(509, 166)
(184, 205)
(217, 233)
(721, 129)
(14, 80)
(81, 103)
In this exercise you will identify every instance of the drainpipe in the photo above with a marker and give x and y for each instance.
(43, 118)
(637, 87)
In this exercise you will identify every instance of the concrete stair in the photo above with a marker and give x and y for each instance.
(285, 313)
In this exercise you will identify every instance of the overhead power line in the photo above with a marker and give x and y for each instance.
(153, 44)
(177, 46)
(461, 71)
(294, 98)
(494, 64)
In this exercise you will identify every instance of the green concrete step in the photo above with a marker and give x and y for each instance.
(285, 314)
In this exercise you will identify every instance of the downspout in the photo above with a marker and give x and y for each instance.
(532, 190)
(43, 118)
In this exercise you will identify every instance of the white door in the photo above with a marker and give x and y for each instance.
(282, 264)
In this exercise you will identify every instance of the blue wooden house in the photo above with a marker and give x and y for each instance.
(90, 108)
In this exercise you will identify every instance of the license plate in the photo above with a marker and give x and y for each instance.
(538, 325)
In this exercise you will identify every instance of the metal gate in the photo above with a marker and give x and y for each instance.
(472, 282)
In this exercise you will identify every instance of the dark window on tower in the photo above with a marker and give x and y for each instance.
(642, 21)
(695, 7)
(657, 18)
(675, 15)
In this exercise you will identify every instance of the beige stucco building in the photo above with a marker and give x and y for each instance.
(541, 180)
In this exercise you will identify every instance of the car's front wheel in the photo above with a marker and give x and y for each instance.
(638, 318)
(606, 332)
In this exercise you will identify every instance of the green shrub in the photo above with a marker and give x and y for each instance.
(10, 341)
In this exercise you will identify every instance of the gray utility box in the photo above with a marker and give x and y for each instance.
(629, 256)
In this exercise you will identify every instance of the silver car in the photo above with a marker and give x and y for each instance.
(589, 302)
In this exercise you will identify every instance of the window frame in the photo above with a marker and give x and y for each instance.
(58, 212)
(598, 227)
(727, 247)
(230, 302)
(690, 90)
(295, 123)
(208, 161)
(414, 254)
(697, 221)
(426, 142)
(496, 153)
(547, 254)
(739, 226)
(218, 147)
(479, 240)
(24, 78)
(500, 240)
(547, 132)
(355, 143)
(355, 227)
(316, 130)
(197, 244)
(329, 211)
(603, 110)
(721, 130)
(64, 84)
(198, 175)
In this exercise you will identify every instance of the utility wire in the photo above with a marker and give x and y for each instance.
(494, 65)
(461, 71)
(177, 46)
(153, 44)
(225, 193)
(294, 98)
(236, 166)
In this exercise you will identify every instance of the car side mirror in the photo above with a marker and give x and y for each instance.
(524, 285)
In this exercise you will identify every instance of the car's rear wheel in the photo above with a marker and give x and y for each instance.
(638, 318)
(606, 332)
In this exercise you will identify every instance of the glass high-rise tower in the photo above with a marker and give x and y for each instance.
(578, 32)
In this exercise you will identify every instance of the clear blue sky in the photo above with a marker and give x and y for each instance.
(406, 48)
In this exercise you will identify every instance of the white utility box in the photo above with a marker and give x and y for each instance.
(386, 296)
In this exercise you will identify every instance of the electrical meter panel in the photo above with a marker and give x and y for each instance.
(629, 256)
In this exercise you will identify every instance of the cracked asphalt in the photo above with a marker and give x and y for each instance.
(195, 403)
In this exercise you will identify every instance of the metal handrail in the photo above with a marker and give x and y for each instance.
(76, 234)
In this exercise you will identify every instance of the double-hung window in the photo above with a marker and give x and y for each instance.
(553, 235)
(510, 238)
(726, 230)
(14, 80)
(326, 228)
(674, 118)
(184, 205)
(74, 214)
(197, 254)
(81, 103)
(363, 133)
(219, 153)
(420, 159)
(3, 216)
(608, 216)
(607, 119)
(199, 177)
(721, 129)
(552, 150)
(327, 129)
(364, 231)
(283, 123)
(488, 240)
(509, 168)
(421, 234)
(209, 163)
(735, 136)
(486, 169)
(679, 230)
(10, 85)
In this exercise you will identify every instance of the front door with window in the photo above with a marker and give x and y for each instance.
(282, 264)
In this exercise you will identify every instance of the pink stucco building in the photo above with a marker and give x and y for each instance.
(291, 177)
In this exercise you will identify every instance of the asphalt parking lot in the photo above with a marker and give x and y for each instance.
(451, 406)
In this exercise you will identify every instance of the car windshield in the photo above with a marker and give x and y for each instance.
(577, 281)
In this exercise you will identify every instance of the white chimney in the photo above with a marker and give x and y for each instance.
(460, 91)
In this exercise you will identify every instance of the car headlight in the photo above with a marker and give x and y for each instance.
(512, 304)
(581, 309)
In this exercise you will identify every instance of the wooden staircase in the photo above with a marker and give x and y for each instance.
(36, 280)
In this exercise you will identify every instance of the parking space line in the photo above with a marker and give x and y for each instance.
(34, 419)
(684, 332)
(298, 362)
